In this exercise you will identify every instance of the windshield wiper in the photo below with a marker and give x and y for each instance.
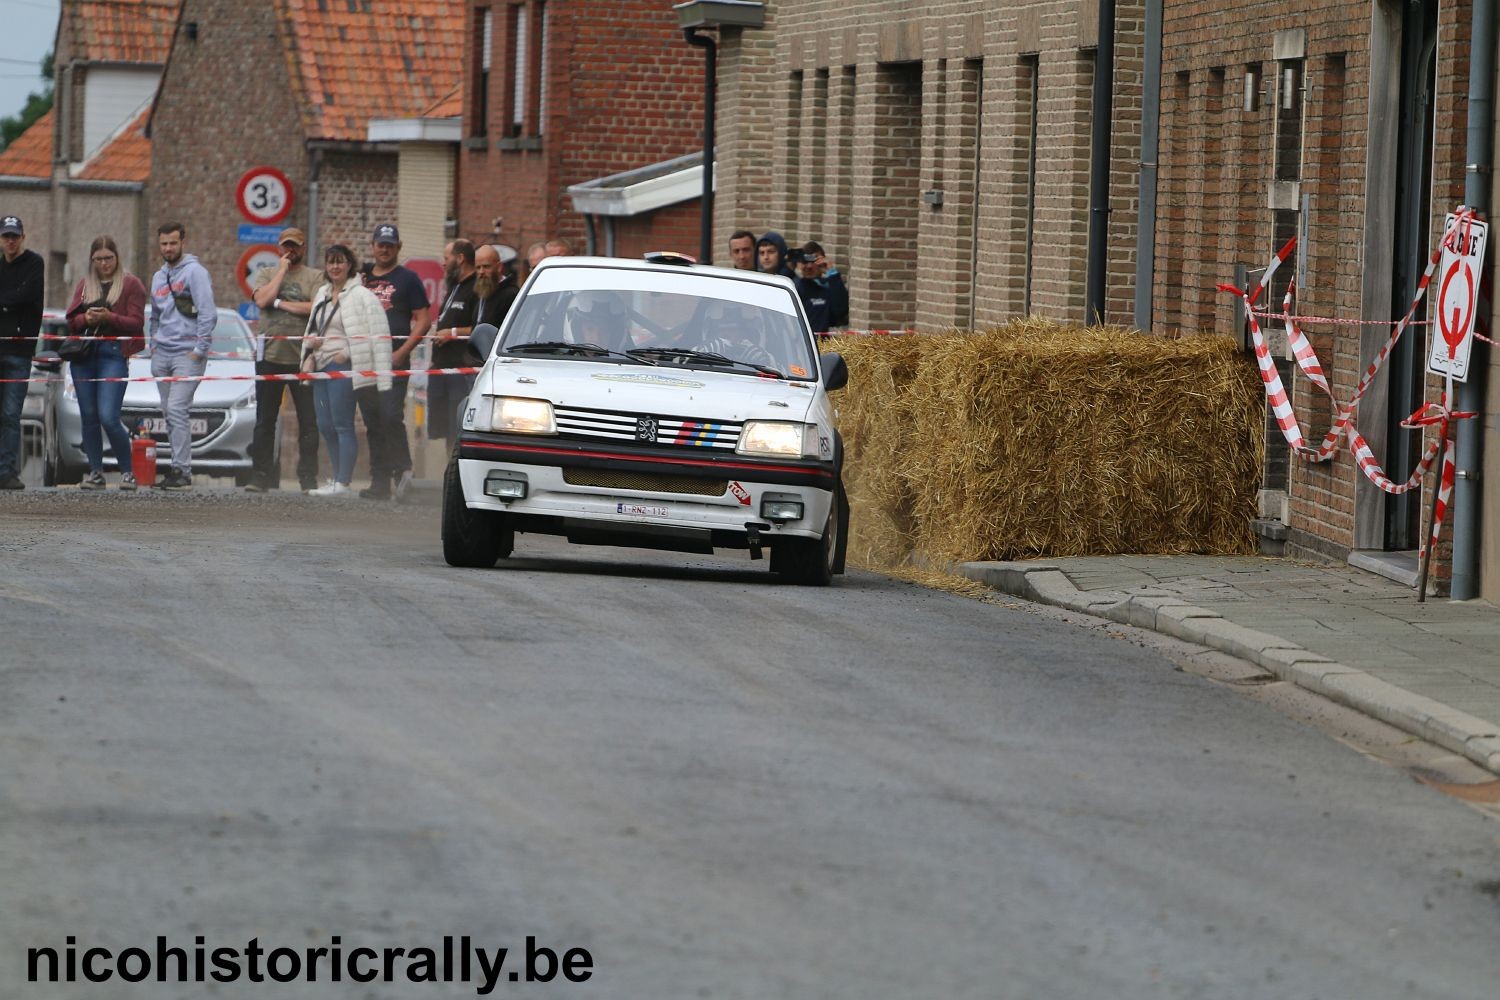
(564, 347)
(707, 357)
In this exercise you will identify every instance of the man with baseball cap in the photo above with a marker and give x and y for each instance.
(408, 312)
(21, 290)
(284, 294)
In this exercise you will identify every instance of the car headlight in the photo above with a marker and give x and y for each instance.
(245, 401)
(778, 438)
(515, 415)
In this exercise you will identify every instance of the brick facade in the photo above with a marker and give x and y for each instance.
(839, 117)
(1222, 182)
(205, 135)
(622, 88)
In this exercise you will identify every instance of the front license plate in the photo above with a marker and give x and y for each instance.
(197, 427)
(640, 510)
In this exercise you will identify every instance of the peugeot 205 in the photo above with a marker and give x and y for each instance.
(656, 404)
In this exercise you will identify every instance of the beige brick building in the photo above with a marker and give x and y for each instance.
(939, 151)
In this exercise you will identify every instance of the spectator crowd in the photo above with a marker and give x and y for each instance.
(349, 317)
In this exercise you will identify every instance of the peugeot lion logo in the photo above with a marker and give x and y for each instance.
(645, 429)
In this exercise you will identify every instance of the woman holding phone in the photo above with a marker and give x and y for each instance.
(109, 302)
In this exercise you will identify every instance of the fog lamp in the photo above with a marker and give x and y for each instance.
(505, 486)
(781, 510)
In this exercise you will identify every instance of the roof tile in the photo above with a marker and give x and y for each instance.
(375, 59)
(119, 30)
(126, 157)
(31, 153)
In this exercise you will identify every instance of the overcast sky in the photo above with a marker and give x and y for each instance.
(30, 26)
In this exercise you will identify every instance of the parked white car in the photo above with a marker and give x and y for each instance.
(655, 404)
(221, 420)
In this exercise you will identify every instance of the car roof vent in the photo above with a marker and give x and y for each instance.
(669, 257)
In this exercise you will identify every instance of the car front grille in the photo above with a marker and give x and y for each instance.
(646, 428)
(645, 482)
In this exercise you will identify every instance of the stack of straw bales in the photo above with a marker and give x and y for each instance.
(1044, 440)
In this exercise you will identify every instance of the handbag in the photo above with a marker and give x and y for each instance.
(80, 348)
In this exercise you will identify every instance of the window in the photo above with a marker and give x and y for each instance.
(526, 31)
(1029, 83)
(1289, 99)
(482, 82)
(518, 69)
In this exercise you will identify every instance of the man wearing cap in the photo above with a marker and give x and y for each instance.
(408, 312)
(284, 295)
(824, 295)
(21, 291)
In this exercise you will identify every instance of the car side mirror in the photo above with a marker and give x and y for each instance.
(47, 361)
(835, 372)
(482, 339)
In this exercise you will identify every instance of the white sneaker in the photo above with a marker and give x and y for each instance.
(331, 490)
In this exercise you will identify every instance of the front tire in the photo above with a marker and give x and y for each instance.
(475, 539)
(814, 562)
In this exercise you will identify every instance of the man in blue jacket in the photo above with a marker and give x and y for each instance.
(20, 322)
(183, 317)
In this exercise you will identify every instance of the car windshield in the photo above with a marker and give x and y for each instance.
(232, 339)
(691, 319)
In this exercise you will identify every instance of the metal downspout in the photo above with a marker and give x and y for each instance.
(1104, 86)
(1466, 492)
(1145, 239)
(710, 93)
(314, 250)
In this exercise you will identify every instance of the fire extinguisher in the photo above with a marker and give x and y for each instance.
(143, 455)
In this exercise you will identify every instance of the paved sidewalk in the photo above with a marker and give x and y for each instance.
(1431, 669)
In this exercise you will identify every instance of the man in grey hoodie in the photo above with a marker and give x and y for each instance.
(183, 317)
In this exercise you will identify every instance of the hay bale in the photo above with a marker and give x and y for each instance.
(1037, 439)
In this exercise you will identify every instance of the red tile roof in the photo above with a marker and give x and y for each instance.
(118, 30)
(126, 157)
(353, 60)
(450, 105)
(31, 154)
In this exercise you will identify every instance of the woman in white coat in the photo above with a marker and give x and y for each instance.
(347, 332)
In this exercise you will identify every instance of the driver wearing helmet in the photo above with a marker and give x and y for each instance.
(735, 331)
(600, 318)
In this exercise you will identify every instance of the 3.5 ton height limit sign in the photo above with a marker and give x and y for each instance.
(1457, 296)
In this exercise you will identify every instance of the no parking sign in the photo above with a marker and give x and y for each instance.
(1457, 298)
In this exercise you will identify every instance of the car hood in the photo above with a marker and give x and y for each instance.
(138, 394)
(664, 390)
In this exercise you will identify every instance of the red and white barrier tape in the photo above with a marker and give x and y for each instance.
(289, 377)
(1343, 426)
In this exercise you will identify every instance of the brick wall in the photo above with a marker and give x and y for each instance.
(1218, 160)
(623, 90)
(205, 134)
(859, 108)
(357, 192)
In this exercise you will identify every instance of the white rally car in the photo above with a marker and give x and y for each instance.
(655, 404)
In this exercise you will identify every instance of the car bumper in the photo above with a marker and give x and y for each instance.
(646, 491)
(224, 450)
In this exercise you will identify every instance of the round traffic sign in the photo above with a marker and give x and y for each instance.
(264, 195)
(1456, 300)
(255, 257)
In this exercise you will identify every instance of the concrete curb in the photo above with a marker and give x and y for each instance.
(1464, 734)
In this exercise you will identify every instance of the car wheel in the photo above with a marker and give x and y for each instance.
(810, 562)
(471, 538)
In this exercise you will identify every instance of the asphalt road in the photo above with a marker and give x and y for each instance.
(284, 719)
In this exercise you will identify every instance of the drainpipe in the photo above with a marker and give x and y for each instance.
(591, 247)
(710, 92)
(314, 251)
(1145, 237)
(1104, 86)
(1466, 494)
